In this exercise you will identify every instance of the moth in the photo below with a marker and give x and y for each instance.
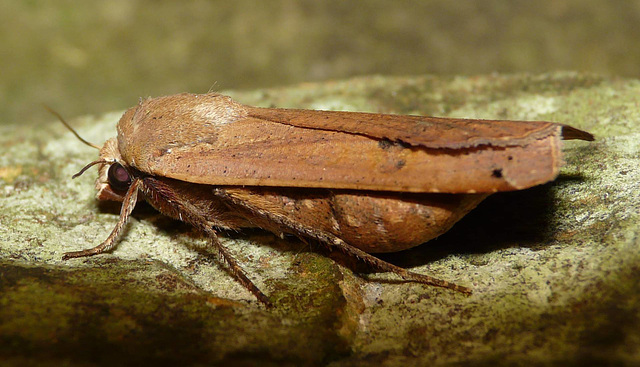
(359, 183)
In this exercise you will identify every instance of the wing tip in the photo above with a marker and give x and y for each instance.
(571, 133)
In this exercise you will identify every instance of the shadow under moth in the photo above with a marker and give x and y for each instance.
(359, 183)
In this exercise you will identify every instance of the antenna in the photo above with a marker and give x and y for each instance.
(69, 127)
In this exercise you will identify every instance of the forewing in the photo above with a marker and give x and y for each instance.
(341, 150)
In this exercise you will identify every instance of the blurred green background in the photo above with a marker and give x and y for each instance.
(88, 57)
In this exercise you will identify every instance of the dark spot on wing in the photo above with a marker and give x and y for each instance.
(384, 144)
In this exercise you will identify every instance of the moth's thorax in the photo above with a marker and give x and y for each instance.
(156, 125)
(109, 152)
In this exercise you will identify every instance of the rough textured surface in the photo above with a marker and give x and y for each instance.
(554, 268)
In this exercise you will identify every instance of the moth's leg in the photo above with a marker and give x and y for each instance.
(334, 242)
(171, 200)
(128, 204)
(382, 266)
(235, 269)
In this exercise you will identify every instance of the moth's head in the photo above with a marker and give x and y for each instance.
(113, 178)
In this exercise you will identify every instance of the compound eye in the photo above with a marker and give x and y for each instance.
(118, 177)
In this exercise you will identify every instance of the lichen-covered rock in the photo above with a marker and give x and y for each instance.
(554, 269)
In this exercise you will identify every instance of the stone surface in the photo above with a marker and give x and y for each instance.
(554, 268)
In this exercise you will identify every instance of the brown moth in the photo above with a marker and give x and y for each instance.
(360, 183)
